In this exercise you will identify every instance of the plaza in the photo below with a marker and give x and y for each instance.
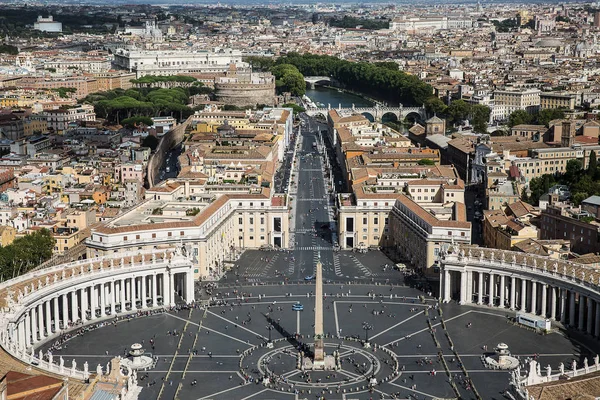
(207, 346)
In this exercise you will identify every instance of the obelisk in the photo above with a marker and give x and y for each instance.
(319, 352)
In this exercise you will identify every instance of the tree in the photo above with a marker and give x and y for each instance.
(458, 111)
(480, 115)
(136, 121)
(289, 79)
(572, 170)
(297, 109)
(519, 117)
(434, 105)
(593, 164)
(426, 161)
(546, 115)
(150, 141)
(26, 253)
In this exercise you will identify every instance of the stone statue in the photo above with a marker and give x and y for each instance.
(61, 365)
(40, 355)
(583, 275)
(132, 261)
(32, 287)
(50, 358)
(534, 263)
(564, 270)
(491, 256)
(81, 269)
(74, 366)
(112, 263)
(514, 259)
(55, 278)
(99, 370)
(63, 273)
(538, 369)
(108, 368)
(122, 262)
(480, 255)
(502, 257)
(101, 265)
(561, 368)
(153, 258)
(177, 251)
(548, 371)
(585, 365)
(39, 284)
(596, 360)
(545, 265)
(165, 255)
(470, 253)
(574, 366)
(91, 266)
(85, 367)
(47, 280)
(26, 290)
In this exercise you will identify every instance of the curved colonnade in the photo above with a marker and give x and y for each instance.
(559, 290)
(41, 305)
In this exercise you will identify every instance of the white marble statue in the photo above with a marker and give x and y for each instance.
(548, 371)
(99, 370)
(61, 364)
(74, 366)
(561, 368)
(596, 360)
(585, 365)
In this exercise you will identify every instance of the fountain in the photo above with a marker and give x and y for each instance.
(501, 359)
(137, 360)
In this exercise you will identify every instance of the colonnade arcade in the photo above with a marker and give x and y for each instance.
(559, 290)
(40, 305)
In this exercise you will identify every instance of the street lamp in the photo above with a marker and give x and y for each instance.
(367, 327)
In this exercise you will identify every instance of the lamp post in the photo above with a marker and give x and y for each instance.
(367, 327)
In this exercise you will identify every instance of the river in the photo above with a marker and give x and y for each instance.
(334, 98)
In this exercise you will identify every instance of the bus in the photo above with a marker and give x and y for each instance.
(533, 321)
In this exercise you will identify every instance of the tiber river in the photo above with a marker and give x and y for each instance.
(323, 96)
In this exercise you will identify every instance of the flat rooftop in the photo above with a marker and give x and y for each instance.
(156, 211)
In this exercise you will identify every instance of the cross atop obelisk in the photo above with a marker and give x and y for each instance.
(319, 352)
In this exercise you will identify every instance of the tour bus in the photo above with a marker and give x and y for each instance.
(533, 321)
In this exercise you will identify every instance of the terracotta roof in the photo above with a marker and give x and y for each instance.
(578, 388)
(427, 217)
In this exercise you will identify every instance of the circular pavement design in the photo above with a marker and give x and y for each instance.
(224, 346)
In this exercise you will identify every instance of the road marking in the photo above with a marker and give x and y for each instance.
(337, 324)
(393, 326)
(414, 390)
(426, 329)
(211, 330)
(239, 326)
(211, 396)
(298, 322)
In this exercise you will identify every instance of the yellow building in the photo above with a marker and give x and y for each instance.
(7, 235)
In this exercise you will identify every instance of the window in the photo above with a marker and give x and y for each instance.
(170, 234)
(365, 221)
(262, 220)
(376, 221)
(154, 236)
(277, 224)
(251, 220)
(181, 233)
(124, 239)
(137, 237)
(262, 238)
(251, 237)
(240, 220)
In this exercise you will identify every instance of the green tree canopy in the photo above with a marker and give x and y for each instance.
(458, 111)
(519, 117)
(545, 116)
(150, 141)
(434, 105)
(25, 253)
(136, 121)
(480, 115)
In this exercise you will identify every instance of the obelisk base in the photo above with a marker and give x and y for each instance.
(319, 351)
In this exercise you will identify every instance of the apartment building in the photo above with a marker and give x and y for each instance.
(213, 228)
(178, 62)
(59, 120)
(550, 100)
(419, 233)
(564, 221)
(524, 99)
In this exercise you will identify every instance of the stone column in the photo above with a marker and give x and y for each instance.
(40, 321)
(513, 292)
(523, 295)
(597, 321)
(544, 299)
(581, 312)
(48, 318)
(94, 301)
(33, 325)
(27, 330)
(84, 304)
(154, 290)
(446, 297)
(480, 279)
(143, 284)
(56, 315)
(134, 292)
(502, 289)
(491, 289)
(65, 311)
(22, 334)
(590, 318)
(534, 299)
(563, 306)
(102, 304)
(122, 294)
(113, 298)
(572, 319)
(74, 314)
(189, 280)
(554, 303)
